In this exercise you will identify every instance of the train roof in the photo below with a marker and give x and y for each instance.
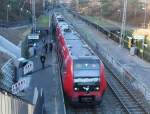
(77, 47)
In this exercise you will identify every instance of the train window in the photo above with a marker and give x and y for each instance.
(60, 19)
(86, 69)
(67, 30)
(80, 66)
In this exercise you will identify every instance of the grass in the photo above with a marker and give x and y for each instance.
(43, 21)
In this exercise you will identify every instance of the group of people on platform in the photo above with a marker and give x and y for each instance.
(48, 47)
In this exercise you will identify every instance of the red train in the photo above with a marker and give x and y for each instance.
(83, 77)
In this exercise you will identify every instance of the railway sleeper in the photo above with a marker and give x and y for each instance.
(119, 85)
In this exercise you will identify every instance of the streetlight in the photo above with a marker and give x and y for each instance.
(145, 14)
(123, 26)
(8, 6)
(21, 9)
(33, 16)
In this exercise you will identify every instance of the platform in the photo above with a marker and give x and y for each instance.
(47, 79)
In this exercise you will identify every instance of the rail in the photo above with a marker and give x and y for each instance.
(123, 74)
(113, 35)
(104, 30)
(118, 87)
(109, 61)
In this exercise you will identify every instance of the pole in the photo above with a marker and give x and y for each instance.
(7, 14)
(33, 16)
(123, 27)
(8, 6)
(49, 21)
(145, 14)
(43, 5)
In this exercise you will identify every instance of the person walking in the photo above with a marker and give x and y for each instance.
(51, 46)
(46, 48)
(42, 58)
(34, 47)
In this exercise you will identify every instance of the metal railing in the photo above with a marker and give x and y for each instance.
(11, 105)
(8, 75)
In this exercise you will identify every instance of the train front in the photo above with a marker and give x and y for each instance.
(88, 81)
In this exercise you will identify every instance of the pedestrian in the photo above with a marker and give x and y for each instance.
(43, 40)
(34, 51)
(51, 46)
(46, 48)
(42, 58)
(34, 45)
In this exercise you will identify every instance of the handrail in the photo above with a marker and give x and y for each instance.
(11, 105)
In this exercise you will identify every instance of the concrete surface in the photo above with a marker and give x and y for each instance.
(47, 79)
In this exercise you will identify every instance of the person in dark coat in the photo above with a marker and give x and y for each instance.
(42, 58)
(51, 46)
(46, 48)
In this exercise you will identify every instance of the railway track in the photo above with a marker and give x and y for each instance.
(109, 105)
(125, 97)
(129, 103)
(110, 101)
(73, 110)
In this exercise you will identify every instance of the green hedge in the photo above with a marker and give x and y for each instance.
(43, 21)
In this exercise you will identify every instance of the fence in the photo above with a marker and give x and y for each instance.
(8, 75)
(11, 105)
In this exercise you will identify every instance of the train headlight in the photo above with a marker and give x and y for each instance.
(75, 89)
(97, 88)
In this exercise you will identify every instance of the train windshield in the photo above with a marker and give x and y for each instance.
(86, 75)
(86, 71)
